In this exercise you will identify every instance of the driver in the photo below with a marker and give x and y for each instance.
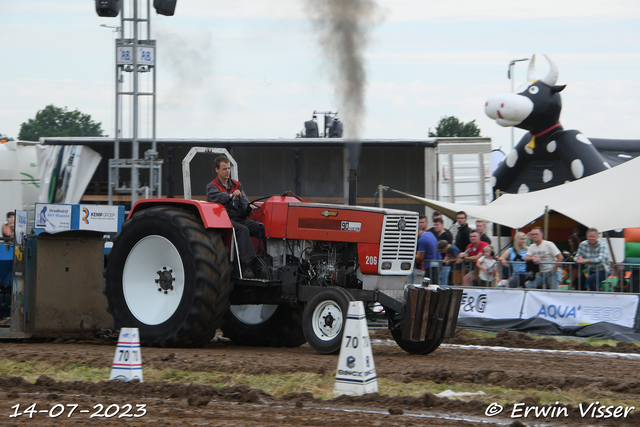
(229, 193)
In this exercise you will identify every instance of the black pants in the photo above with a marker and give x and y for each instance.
(517, 280)
(245, 229)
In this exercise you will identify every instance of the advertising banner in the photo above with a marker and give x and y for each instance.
(53, 217)
(581, 308)
(100, 218)
(491, 303)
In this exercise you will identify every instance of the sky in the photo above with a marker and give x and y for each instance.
(258, 68)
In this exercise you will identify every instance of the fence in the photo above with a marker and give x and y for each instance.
(563, 276)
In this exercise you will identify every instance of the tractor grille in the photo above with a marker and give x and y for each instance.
(398, 244)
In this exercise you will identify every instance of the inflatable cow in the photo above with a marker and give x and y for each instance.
(547, 155)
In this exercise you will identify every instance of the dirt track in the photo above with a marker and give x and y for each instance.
(614, 374)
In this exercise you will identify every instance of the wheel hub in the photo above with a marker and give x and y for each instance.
(328, 320)
(165, 279)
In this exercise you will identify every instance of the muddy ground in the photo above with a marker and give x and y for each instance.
(611, 372)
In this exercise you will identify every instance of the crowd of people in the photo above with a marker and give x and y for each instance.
(464, 256)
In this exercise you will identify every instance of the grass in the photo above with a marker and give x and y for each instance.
(320, 386)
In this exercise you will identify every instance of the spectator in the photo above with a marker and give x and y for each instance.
(569, 258)
(427, 244)
(513, 259)
(418, 272)
(423, 224)
(460, 231)
(487, 267)
(580, 231)
(449, 254)
(434, 216)
(481, 227)
(462, 236)
(592, 253)
(8, 228)
(439, 231)
(546, 256)
(472, 253)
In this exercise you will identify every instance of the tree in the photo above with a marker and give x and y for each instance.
(451, 126)
(55, 121)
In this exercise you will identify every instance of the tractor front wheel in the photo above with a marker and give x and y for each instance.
(324, 318)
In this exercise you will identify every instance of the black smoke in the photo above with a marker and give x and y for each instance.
(343, 28)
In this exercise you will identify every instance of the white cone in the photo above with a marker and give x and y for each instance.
(127, 362)
(356, 373)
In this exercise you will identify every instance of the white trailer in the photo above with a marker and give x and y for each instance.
(458, 170)
(462, 171)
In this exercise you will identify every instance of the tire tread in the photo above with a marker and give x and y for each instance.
(212, 285)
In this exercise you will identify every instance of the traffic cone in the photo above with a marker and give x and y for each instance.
(356, 373)
(127, 362)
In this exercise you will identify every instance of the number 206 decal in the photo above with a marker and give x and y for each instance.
(371, 260)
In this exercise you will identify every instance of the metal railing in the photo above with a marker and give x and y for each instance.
(562, 276)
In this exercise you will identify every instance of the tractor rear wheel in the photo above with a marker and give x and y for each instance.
(168, 277)
(264, 325)
(324, 318)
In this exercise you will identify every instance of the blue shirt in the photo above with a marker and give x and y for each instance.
(518, 267)
(453, 251)
(427, 243)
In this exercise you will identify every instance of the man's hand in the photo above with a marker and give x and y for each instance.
(237, 194)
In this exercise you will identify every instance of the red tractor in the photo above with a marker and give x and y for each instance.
(170, 273)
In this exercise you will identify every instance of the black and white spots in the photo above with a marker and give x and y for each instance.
(577, 168)
(580, 137)
(524, 188)
(511, 158)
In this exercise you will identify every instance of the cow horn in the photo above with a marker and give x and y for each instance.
(531, 72)
(552, 76)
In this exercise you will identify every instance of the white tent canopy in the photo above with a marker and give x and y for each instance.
(608, 200)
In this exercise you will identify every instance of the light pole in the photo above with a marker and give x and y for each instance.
(510, 77)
